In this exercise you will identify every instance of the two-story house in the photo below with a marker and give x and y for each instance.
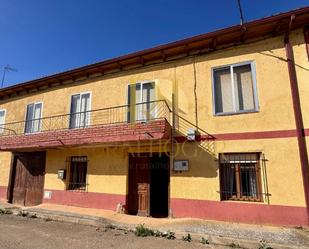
(213, 126)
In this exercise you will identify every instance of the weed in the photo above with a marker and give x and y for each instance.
(233, 245)
(142, 231)
(23, 213)
(32, 216)
(5, 211)
(110, 226)
(157, 233)
(204, 241)
(263, 245)
(168, 235)
(187, 238)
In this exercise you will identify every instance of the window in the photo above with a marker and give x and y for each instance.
(140, 101)
(78, 173)
(33, 118)
(2, 120)
(234, 89)
(240, 177)
(80, 110)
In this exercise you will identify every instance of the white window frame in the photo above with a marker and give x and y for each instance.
(141, 95)
(255, 92)
(90, 108)
(2, 126)
(41, 118)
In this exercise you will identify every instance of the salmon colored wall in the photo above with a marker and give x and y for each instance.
(107, 173)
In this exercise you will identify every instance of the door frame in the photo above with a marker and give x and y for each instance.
(150, 154)
(12, 175)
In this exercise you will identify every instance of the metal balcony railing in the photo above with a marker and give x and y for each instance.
(141, 112)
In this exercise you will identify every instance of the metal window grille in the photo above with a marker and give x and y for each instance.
(240, 177)
(77, 172)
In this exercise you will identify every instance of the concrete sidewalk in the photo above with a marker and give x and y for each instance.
(247, 236)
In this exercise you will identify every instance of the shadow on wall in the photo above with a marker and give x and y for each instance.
(200, 153)
(101, 161)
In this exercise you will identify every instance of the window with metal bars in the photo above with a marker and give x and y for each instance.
(77, 173)
(240, 177)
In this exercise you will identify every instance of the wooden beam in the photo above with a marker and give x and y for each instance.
(243, 35)
(119, 65)
(187, 48)
(142, 60)
(306, 34)
(214, 43)
(163, 55)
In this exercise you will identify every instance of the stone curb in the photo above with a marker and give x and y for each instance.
(68, 217)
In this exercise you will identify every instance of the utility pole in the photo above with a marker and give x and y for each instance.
(241, 13)
(7, 69)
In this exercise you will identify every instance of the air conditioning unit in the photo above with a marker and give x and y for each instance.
(191, 134)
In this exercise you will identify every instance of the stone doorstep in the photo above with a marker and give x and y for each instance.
(60, 216)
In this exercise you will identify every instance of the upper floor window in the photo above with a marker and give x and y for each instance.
(141, 97)
(80, 110)
(33, 117)
(234, 89)
(2, 120)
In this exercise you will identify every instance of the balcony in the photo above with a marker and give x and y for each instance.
(144, 122)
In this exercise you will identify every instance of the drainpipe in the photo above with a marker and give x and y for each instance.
(298, 115)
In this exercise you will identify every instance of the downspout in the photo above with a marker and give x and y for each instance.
(298, 114)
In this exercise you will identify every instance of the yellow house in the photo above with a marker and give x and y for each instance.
(213, 126)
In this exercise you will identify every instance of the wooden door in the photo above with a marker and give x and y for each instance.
(35, 180)
(28, 182)
(20, 181)
(138, 179)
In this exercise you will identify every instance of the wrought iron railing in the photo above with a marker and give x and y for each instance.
(141, 112)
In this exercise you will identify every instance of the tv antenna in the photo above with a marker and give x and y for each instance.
(241, 13)
(7, 69)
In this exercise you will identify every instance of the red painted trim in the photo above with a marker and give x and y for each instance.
(246, 135)
(302, 146)
(256, 135)
(240, 212)
(86, 199)
(3, 192)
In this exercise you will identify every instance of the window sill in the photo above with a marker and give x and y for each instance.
(235, 113)
(243, 200)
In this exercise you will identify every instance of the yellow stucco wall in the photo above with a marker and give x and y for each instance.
(283, 172)
(107, 169)
(108, 172)
(5, 162)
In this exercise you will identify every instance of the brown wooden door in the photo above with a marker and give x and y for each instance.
(20, 181)
(138, 176)
(28, 182)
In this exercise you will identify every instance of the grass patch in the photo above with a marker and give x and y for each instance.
(187, 238)
(263, 245)
(5, 211)
(142, 231)
(205, 241)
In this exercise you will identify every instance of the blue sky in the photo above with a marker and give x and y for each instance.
(40, 38)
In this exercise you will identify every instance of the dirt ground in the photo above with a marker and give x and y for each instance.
(25, 233)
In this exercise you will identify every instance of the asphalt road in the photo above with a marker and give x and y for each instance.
(29, 233)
